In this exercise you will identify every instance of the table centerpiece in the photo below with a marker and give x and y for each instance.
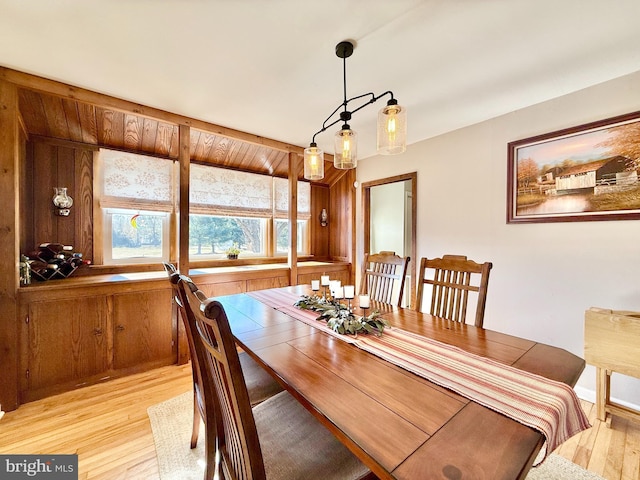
(340, 318)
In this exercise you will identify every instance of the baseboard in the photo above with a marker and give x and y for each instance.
(590, 396)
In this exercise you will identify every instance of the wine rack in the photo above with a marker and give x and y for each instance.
(53, 260)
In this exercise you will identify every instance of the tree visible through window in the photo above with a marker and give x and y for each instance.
(136, 235)
(212, 235)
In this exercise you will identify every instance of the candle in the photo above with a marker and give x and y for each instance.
(364, 301)
(324, 280)
(339, 292)
(349, 291)
(315, 285)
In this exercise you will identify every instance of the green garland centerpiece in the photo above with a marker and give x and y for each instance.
(339, 318)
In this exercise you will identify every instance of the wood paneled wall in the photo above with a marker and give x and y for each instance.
(52, 165)
(319, 235)
(342, 218)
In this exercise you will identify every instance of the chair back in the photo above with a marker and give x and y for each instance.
(383, 277)
(231, 425)
(453, 278)
(174, 278)
(180, 310)
(169, 268)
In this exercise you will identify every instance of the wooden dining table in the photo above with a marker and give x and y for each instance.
(399, 424)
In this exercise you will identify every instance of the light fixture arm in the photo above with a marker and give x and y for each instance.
(346, 115)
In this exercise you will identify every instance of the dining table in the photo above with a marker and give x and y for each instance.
(400, 424)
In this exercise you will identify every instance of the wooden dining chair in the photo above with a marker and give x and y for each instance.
(260, 384)
(453, 278)
(277, 439)
(383, 277)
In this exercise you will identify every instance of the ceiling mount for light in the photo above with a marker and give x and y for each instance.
(392, 128)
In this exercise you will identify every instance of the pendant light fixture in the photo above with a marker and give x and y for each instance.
(392, 127)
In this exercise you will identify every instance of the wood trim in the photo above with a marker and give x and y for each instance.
(69, 144)
(98, 220)
(9, 230)
(366, 220)
(294, 168)
(183, 208)
(351, 202)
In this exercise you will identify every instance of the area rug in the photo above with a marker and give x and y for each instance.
(171, 425)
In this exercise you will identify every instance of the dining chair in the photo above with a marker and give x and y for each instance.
(260, 384)
(453, 278)
(277, 439)
(383, 277)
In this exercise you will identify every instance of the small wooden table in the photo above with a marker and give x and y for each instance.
(399, 424)
(611, 343)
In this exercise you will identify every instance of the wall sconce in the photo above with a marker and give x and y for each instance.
(62, 201)
(324, 217)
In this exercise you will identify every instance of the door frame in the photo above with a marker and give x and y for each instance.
(366, 215)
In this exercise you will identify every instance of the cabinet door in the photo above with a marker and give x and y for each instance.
(144, 330)
(67, 341)
(224, 288)
(262, 283)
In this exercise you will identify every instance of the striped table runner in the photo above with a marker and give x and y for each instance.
(546, 405)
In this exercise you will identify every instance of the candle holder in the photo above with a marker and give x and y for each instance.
(315, 286)
(364, 303)
(324, 282)
(349, 294)
(364, 311)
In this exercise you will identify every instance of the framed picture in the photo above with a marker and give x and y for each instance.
(588, 172)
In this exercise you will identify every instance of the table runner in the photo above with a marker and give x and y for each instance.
(275, 298)
(549, 406)
(546, 405)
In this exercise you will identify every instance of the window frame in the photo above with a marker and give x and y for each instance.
(107, 236)
(103, 234)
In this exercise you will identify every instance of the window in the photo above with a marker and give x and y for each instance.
(230, 207)
(136, 200)
(282, 236)
(137, 196)
(135, 236)
(281, 215)
(211, 235)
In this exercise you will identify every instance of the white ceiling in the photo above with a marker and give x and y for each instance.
(269, 67)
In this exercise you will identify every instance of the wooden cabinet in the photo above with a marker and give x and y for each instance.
(67, 342)
(215, 282)
(84, 330)
(84, 334)
(336, 271)
(138, 337)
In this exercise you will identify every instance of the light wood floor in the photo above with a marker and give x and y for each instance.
(108, 427)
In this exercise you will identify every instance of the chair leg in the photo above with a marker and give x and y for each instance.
(196, 422)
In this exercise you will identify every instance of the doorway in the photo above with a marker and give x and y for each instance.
(389, 208)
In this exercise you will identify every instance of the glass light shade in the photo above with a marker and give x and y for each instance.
(61, 199)
(392, 130)
(346, 153)
(313, 163)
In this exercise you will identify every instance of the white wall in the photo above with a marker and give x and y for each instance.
(387, 218)
(544, 275)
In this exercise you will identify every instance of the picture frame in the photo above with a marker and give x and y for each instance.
(583, 173)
